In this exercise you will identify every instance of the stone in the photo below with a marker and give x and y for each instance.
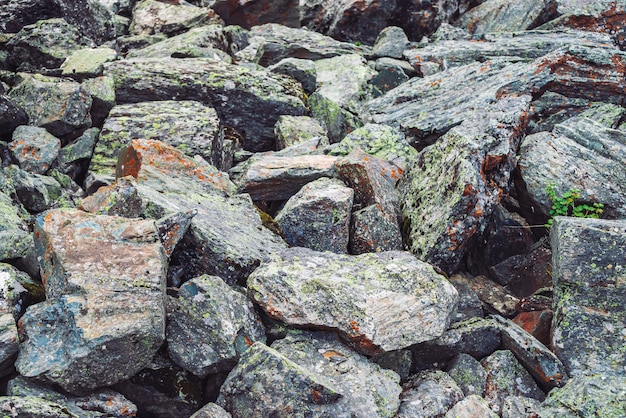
(373, 230)
(115, 302)
(254, 13)
(151, 16)
(34, 149)
(507, 377)
(248, 100)
(300, 69)
(390, 75)
(337, 121)
(9, 342)
(18, 291)
(541, 363)
(494, 297)
(519, 407)
(102, 92)
(524, 274)
(74, 158)
(428, 394)
(11, 116)
(470, 407)
(399, 361)
(318, 216)
(292, 130)
(469, 305)
(32, 406)
(59, 106)
(536, 323)
(421, 19)
(172, 229)
(390, 42)
(85, 63)
(45, 45)
(211, 410)
(15, 239)
(449, 192)
(358, 296)
(589, 313)
(211, 326)
(36, 192)
(189, 126)
(468, 374)
(318, 375)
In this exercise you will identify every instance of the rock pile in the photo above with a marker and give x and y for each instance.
(219, 208)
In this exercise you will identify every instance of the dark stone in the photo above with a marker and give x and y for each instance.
(11, 116)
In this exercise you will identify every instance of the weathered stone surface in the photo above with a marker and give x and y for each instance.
(9, 340)
(211, 410)
(428, 394)
(74, 158)
(579, 154)
(337, 121)
(589, 290)
(292, 130)
(102, 92)
(248, 100)
(104, 311)
(505, 16)
(469, 374)
(15, 239)
(494, 298)
(202, 42)
(32, 406)
(390, 42)
(449, 192)
(58, 105)
(587, 396)
(283, 42)
(469, 304)
(17, 291)
(470, 407)
(507, 377)
(187, 125)
(318, 216)
(254, 13)
(519, 407)
(45, 45)
(540, 362)
(211, 326)
(34, 149)
(104, 402)
(11, 116)
(276, 176)
(87, 62)
(524, 274)
(537, 323)
(300, 69)
(325, 378)
(374, 230)
(359, 296)
(151, 16)
(36, 192)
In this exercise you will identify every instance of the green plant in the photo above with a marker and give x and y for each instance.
(566, 205)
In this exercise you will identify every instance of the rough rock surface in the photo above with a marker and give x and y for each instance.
(151, 16)
(429, 394)
(34, 148)
(15, 239)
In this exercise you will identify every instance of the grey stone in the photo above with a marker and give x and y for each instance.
(17, 291)
(318, 216)
(292, 130)
(32, 406)
(151, 16)
(102, 92)
(11, 116)
(211, 326)
(519, 407)
(469, 374)
(428, 394)
(391, 42)
(211, 410)
(89, 62)
(255, 13)
(105, 283)
(589, 313)
(470, 407)
(9, 342)
(300, 69)
(34, 148)
(36, 192)
(399, 361)
(358, 296)
(15, 239)
(390, 75)
(469, 304)
(74, 157)
(493, 297)
(524, 274)
(337, 121)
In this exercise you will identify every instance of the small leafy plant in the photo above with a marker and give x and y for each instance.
(566, 205)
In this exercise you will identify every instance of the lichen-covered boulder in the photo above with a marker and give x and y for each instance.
(15, 239)
(390, 42)
(449, 192)
(248, 100)
(337, 121)
(211, 410)
(318, 376)
(74, 157)
(589, 291)
(151, 16)
(358, 296)
(33, 406)
(468, 374)
(11, 116)
(88, 62)
(292, 130)
(470, 407)
(34, 148)
(104, 317)
(58, 105)
(428, 394)
(210, 326)
(254, 13)
(302, 70)
(37, 192)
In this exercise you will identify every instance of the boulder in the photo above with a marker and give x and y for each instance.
(211, 410)
(37, 192)
(468, 374)
(104, 317)
(292, 130)
(300, 69)
(171, 18)
(87, 62)
(102, 92)
(520, 407)
(470, 407)
(358, 296)
(210, 326)
(390, 42)
(254, 13)
(337, 121)
(589, 313)
(318, 216)
(34, 149)
(11, 116)
(33, 406)
(248, 100)
(15, 239)
(74, 158)
(428, 394)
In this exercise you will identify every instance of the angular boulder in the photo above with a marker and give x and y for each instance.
(34, 148)
(172, 18)
(254, 13)
(428, 394)
(378, 302)
(15, 239)
(11, 116)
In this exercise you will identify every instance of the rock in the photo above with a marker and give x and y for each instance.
(324, 378)
(420, 19)
(580, 154)
(45, 45)
(318, 216)
(32, 406)
(17, 291)
(449, 192)
(172, 229)
(102, 92)
(469, 305)
(74, 158)
(248, 100)
(104, 402)
(536, 323)
(494, 298)
(428, 394)
(470, 407)
(254, 13)
(211, 410)
(206, 41)
(344, 80)
(211, 326)
(587, 396)
(59, 106)
(300, 69)
(15, 239)
(589, 316)
(36, 192)
(477, 337)
(276, 176)
(337, 121)
(540, 362)
(373, 230)
(391, 42)
(115, 301)
(506, 377)
(85, 63)
(9, 341)
(469, 374)
(284, 42)
(399, 361)
(151, 16)
(519, 407)
(292, 130)
(34, 148)
(189, 126)
(359, 296)
(524, 274)
(390, 75)
(11, 116)
(504, 16)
